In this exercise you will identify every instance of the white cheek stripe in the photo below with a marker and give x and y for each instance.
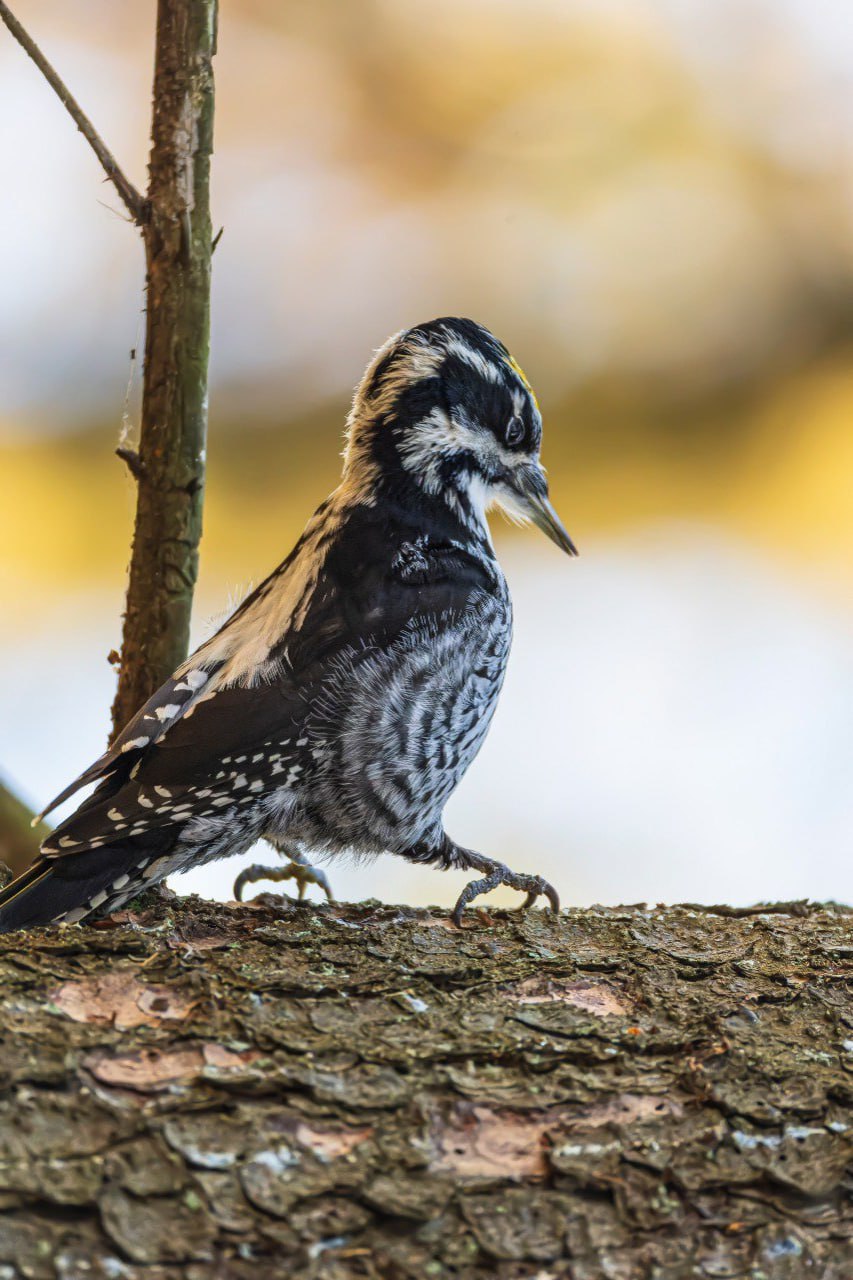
(436, 436)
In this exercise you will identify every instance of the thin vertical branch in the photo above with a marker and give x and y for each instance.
(169, 466)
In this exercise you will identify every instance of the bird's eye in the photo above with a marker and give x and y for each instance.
(514, 432)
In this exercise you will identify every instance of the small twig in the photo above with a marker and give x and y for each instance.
(133, 460)
(215, 241)
(133, 200)
(115, 212)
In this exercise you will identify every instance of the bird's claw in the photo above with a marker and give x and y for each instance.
(301, 872)
(497, 873)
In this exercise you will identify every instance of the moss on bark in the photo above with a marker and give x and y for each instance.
(203, 1091)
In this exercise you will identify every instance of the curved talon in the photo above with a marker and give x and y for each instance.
(533, 886)
(298, 871)
(250, 875)
(306, 875)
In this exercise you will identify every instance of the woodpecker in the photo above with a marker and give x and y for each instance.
(342, 702)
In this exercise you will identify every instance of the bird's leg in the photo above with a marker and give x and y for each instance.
(448, 855)
(296, 868)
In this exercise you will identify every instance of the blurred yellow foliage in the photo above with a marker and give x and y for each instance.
(784, 481)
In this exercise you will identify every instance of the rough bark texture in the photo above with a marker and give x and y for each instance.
(200, 1091)
(169, 466)
(19, 841)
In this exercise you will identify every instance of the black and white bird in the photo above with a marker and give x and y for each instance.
(339, 706)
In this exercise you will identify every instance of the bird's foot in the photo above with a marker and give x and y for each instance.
(497, 873)
(301, 872)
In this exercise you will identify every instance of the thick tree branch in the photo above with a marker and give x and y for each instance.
(133, 201)
(364, 1092)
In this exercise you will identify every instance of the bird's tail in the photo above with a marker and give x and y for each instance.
(74, 885)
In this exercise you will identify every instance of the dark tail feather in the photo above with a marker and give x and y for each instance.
(52, 887)
(15, 897)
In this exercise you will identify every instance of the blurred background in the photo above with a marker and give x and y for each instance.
(651, 203)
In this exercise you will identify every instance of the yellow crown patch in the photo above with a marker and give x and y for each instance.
(519, 372)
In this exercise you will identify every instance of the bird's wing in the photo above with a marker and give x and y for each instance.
(171, 701)
(231, 743)
(190, 683)
(229, 747)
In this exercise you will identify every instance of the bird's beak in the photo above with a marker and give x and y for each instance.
(530, 490)
(545, 518)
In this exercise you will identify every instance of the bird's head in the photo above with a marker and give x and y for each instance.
(445, 407)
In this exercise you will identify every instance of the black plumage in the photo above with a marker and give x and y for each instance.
(341, 703)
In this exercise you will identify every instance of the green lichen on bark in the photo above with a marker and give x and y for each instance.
(199, 1091)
